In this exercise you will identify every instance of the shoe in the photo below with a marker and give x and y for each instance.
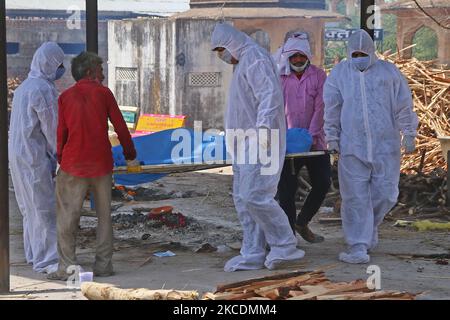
(58, 276)
(104, 274)
(356, 255)
(284, 264)
(240, 263)
(308, 235)
(51, 268)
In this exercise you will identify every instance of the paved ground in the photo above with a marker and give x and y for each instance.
(212, 210)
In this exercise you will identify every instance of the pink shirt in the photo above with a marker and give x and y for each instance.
(303, 103)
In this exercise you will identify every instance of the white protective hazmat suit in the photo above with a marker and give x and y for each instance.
(256, 101)
(292, 46)
(32, 156)
(365, 113)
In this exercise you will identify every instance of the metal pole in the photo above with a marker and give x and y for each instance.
(368, 16)
(4, 189)
(92, 26)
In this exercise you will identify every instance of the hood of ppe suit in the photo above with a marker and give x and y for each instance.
(46, 60)
(228, 37)
(361, 41)
(291, 47)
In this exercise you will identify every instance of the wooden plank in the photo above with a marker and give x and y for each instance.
(223, 287)
(271, 294)
(376, 295)
(286, 283)
(313, 292)
(305, 154)
(359, 285)
(278, 293)
(346, 296)
(296, 293)
(253, 286)
(171, 168)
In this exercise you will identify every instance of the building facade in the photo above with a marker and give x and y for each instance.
(166, 65)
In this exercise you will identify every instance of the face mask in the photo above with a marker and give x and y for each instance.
(361, 63)
(60, 72)
(299, 68)
(226, 56)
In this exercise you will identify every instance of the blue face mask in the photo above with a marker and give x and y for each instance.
(60, 72)
(361, 63)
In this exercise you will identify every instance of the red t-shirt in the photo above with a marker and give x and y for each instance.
(83, 143)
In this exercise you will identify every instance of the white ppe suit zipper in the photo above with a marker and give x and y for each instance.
(366, 116)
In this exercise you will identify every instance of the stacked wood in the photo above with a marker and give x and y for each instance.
(103, 291)
(430, 86)
(13, 83)
(422, 194)
(302, 286)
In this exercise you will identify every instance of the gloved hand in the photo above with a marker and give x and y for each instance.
(409, 143)
(134, 166)
(333, 146)
(264, 142)
(57, 169)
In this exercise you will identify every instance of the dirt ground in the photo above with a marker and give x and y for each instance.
(211, 236)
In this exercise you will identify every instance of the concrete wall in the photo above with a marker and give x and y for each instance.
(165, 54)
(175, 70)
(31, 33)
(206, 103)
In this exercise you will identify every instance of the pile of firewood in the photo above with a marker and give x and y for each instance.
(419, 194)
(13, 83)
(430, 86)
(302, 286)
(422, 194)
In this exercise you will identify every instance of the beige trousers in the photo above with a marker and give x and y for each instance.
(70, 195)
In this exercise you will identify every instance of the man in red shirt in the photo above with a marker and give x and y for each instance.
(86, 162)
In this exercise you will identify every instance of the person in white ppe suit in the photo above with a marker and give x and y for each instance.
(32, 155)
(367, 105)
(256, 102)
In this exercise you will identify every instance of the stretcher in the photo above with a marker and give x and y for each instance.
(180, 168)
(292, 156)
(171, 168)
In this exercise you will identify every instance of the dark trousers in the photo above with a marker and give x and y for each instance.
(319, 170)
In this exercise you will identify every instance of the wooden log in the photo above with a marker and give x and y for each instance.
(224, 287)
(102, 291)
(254, 286)
(310, 292)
